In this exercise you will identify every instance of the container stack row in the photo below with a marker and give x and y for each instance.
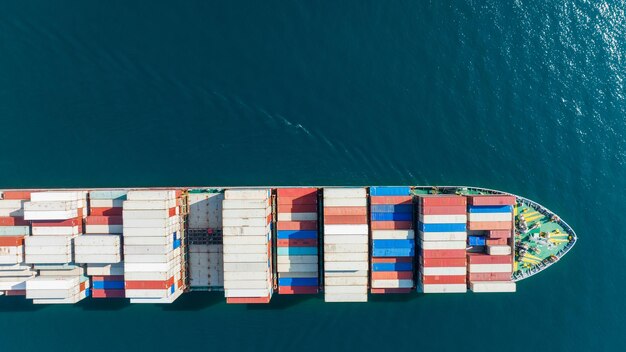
(57, 220)
(247, 236)
(443, 235)
(346, 244)
(13, 229)
(297, 241)
(153, 260)
(490, 263)
(102, 246)
(393, 239)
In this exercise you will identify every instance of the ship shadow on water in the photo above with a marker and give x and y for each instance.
(393, 298)
(192, 301)
(19, 304)
(103, 304)
(279, 302)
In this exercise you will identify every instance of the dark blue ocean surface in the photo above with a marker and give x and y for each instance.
(523, 96)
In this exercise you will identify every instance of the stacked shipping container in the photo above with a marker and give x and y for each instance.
(102, 245)
(297, 241)
(393, 239)
(443, 235)
(153, 260)
(490, 221)
(346, 244)
(247, 236)
(13, 229)
(57, 220)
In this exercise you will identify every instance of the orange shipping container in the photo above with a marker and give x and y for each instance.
(310, 199)
(106, 211)
(443, 253)
(16, 195)
(444, 279)
(443, 262)
(295, 192)
(390, 290)
(391, 225)
(391, 200)
(149, 285)
(297, 225)
(13, 221)
(345, 219)
(489, 225)
(442, 200)
(345, 211)
(248, 300)
(392, 275)
(11, 241)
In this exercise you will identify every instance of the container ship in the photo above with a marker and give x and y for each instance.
(151, 245)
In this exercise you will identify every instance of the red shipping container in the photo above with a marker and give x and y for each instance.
(297, 208)
(345, 211)
(15, 293)
(392, 275)
(11, 241)
(149, 285)
(482, 258)
(100, 293)
(491, 200)
(443, 262)
(104, 220)
(311, 199)
(172, 211)
(443, 253)
(16, 195)
(490, 276)
(444, 210)
(248, 300)
(295, 192)
(58, 223)
(117, 211)
(489, 225)
(499, 234)
(297, 290)
(391, 225)
(496, 241)
(390, 290)
(297, 225)
(297, 243)
(108, 278)
(392, 259)
(345, 219)
(13, 221)
(442, 200)
(391, 200)
(82, 286)
(179, 283)
(443, 279)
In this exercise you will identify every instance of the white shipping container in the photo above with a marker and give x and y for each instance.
(244, 222)
(243, 240)
(362, 229)
(490, 268)
(246, 194)
(145, 223)
(492, 286)
(12, 204)
(136, 293)
(239, 293)
(443, 219)
(149, 232)
(246, 284)
(32, 241)
(48, 294)
(55, 230)
(57, 196)
(246, 231)
(48, 258)
(356, 297)
(151, 258)
(345, 289)
(344, 193)
(148, 205)
(52, 250)
(346, 248)
(246, 213)
(478, 217)
(345, 257)
(392, 283)
(443, 236)
(444, 271)
(97, 258)
(345, 281)
(393, 234)
(297, 259)
(246, 275)
(444, 288)
(105, 269)
(499, 250)
(345, 273)
(345, 202)
(434, 245)
(51, 215)
(330, 266)
(96, 229)
(11, 212)
(161, 214)
(246, 267)
(106, 203)
(148, 249)
(345, 239)
(52, 282)
(50, 206)
(14, 284)
(245, 258)
(246, 248)
(98, 240)
(146, 267)
(151, 195)
(149, 241)
(245, 204)
(297, 216)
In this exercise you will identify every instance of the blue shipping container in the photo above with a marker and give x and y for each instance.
(297, 250)
(176, 244)
(476, 240)
(108, 285)
(301, 281)
(389, 191)
(392, 208)
(393, 244)
(392, 266)
(442, 227)
(393, 252)
(392, 216)
(296, 234)
(108, 195)
(491, 209)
